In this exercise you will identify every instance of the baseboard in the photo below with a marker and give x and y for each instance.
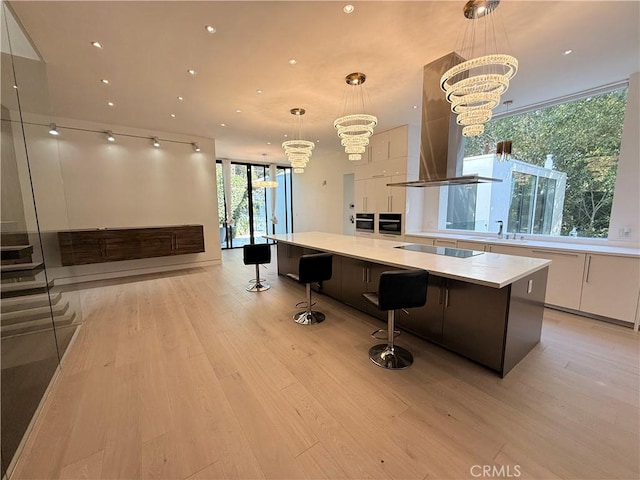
(132, 272)
(614, 321)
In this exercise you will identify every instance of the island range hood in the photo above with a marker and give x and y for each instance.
(441, 140)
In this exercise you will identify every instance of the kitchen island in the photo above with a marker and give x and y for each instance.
(487, 307)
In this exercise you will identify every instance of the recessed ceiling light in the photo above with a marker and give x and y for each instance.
(173, 115)
(238, 111)
(415, 107)
(105, 81)
(180, 98)
(96, 44)
(210, 28)
(292, 61)
(567, 52)
(111, 104)
(348, 9)
(268, 143)
(191, 71)
(15, 86)
(223, 124)
(259, 92)
(286, 135)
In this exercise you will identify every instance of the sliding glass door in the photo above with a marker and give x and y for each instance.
(247, 214)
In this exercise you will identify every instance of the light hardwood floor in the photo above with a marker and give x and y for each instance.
(188, 376)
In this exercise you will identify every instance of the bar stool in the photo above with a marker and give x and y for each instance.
(257, 254)
(396, 289)
(312, 268)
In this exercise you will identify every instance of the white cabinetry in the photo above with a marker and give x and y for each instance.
(508, 250)
(610, 286)
(439, 242)
(564, 283)
(365, 203)
(389, 199)
(470, 245)
(385, 162)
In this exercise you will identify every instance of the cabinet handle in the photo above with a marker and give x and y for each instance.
(446, 297)
(388, 149)
(555, 253)
(440, 294)
(588, 268)
(368, 275)
(364, 276)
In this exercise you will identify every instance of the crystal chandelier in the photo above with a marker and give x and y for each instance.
(264, 183)
(474, 87)
(355, 129)
(298, 151)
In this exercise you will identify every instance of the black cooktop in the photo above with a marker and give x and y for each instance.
(449, 252)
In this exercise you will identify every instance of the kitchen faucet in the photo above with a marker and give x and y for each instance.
(501, 224)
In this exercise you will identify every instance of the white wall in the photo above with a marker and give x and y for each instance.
(81, 181)
(625, 212)
(318, 194)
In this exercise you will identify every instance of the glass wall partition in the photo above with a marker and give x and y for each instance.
(37, 318)
(249, 213)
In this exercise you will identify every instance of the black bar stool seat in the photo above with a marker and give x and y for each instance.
(257, 254)
(316, 267)
(397, 289)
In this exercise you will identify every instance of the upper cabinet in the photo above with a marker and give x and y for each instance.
(389, 152)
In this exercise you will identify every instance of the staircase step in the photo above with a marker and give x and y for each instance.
(15, 289)
(27, 315)
(17, 270)
(29, 301)
(36, 325)
(14, 252)
(20, 266)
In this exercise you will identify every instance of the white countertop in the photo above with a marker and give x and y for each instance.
(489, 269)
(535, 244)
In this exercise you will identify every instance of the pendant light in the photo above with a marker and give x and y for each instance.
(355, 127)
(474, 86)
(298, 150)
(263, 182)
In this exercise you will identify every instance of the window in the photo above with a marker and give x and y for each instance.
(561, 175)
(251, 209)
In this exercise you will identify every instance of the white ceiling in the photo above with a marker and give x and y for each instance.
(148, 47)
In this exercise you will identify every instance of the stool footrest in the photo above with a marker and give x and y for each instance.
(375, 334)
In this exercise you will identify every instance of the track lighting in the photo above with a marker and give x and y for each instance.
(156, 142)
(53, 130)
(195, 146)
(110, 136)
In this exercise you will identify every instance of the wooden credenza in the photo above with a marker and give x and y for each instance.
(81, 247)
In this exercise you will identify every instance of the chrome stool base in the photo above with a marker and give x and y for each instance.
(390, 357)
(259, 286)
(308, 317)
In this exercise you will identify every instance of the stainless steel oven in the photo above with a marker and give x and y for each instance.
(365, 222)
(390, 224)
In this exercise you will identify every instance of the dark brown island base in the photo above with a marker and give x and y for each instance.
(487, 307)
